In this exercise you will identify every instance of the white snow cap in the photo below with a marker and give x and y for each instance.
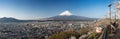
(65, 13)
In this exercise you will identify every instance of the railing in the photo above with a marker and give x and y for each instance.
(104, 35)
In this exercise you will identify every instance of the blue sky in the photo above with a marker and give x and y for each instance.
(33, 9)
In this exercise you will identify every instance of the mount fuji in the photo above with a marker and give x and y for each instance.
(66, 15)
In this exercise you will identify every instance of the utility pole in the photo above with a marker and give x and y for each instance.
(110, 11)
(115, 17)
(110, 17)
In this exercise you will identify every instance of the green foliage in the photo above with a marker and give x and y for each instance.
(92, 36)
(83, 31)
(64, 35)
(68, 34)
(100, 37)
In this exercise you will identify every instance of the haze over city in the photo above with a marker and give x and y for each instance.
(34, 9)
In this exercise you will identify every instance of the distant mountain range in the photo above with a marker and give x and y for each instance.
(5, 19)
(10, 19)
(65, 16)
(72, 18)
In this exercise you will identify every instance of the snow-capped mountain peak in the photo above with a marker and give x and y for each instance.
(65, 13)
